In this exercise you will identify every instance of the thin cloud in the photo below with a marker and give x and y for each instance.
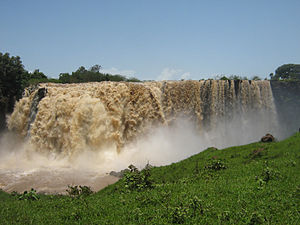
(186, 75)
(115, 71)
(173, 74)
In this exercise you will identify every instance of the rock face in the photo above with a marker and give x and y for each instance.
(118, 174)
(287, 100)
(267, 138)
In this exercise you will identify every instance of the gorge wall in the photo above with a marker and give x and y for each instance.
(287, 100)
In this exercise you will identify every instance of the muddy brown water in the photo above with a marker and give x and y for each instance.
(52, 181)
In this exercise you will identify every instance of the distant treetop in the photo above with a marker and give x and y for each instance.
(287, 72)
(93, 74)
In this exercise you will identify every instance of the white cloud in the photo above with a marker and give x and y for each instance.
(115, 71)
(173, 74)
(186, 75)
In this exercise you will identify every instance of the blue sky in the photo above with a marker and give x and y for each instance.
(154, 39)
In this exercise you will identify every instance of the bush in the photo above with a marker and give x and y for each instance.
(28, 195)
(137, 180)
(269, 173)
(215, 164)
(196, 205)
(77, 191)
(179, 214)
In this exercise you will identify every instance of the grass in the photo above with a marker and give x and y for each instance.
(257, 183)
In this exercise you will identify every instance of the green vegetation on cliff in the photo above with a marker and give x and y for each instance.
(257, 183)
(287, 72)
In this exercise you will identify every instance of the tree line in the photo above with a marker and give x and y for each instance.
(92, 74)
(286, 72)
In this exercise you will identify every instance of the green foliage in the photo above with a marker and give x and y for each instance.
(287, 72)
(27, 195)
(236, 77)
(179, 214)
(269, 174)
(93, 74)
(231, 77)
(255, 78)
(137, 180)
(11, 73)
(216, 164)
(196, 205)
(224, 78)
(78, 191)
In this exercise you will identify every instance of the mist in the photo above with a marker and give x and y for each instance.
(22, 168)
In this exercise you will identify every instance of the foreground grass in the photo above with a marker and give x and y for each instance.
(251, 184)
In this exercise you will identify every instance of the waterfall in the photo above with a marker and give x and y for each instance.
(68, 118)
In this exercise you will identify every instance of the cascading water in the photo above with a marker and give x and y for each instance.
(112, 124)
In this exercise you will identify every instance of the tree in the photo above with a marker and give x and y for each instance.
(37, 75)
(81, 69)
(288, 71)
(256, 78)
(224, 78)
(11, 74)
(96, 68)
(64, 77)
(236, 77)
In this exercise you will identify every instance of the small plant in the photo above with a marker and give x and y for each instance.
(137, 180)
(216, 164)
(261, 183)
(76, 191)
(179, 214)
(257, 153)
(256, 218)
(269, 173)
(291, 163)
(29, 195)
(14, 193)
(266, 175)
(85, 190)
(196, 205)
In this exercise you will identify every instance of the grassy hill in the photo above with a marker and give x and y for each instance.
(257, 183)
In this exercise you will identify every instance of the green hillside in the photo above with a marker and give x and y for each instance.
(257, 183)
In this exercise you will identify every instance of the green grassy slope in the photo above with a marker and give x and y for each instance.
(251, 184)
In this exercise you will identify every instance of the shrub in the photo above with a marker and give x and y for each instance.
(266, 175)
(76, 191)
(196, 204)
(179, 214)
(269, 173)
(137, 180)
(29, 195)
(215, 164)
